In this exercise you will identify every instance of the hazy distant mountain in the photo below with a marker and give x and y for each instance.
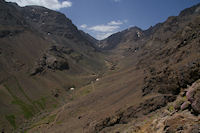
(131, 34)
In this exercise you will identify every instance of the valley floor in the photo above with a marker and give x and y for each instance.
(95, 102)
(115, 104)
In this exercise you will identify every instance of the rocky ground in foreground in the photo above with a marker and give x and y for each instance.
(179, 116)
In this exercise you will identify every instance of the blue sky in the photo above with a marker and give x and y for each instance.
(101, 18)
(141, 13)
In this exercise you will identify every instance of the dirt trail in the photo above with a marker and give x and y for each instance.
(61, 110)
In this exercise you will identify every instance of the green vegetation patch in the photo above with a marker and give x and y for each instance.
(11, 120)
(27, 109)
(171, 108)
(54, 106)
(41, 103)
(85, 92)
(23, 92)
(30, 108)
(45, 120)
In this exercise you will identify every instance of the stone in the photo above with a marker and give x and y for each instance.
(193, 95)
(185, 105)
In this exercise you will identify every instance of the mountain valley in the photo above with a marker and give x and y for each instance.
(56, 78)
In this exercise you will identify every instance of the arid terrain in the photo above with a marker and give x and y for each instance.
(55, 78)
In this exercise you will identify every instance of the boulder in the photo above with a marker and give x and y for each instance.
(185, 105)
(193, 95)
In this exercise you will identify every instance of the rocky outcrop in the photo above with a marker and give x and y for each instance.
(181, 122)
(56, 58)
(193, 96)
(50, 62)
(169, 119)
(53, 59)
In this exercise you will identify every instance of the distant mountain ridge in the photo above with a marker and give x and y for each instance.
(132, 33)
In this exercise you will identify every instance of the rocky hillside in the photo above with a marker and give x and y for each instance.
(54, 78)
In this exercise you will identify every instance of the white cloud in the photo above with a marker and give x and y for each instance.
(117, 0)
(51, 4)
(83, 26)
(103, 31)
(104, 28)
(115, 23)
(102, 36)
(126, 21)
